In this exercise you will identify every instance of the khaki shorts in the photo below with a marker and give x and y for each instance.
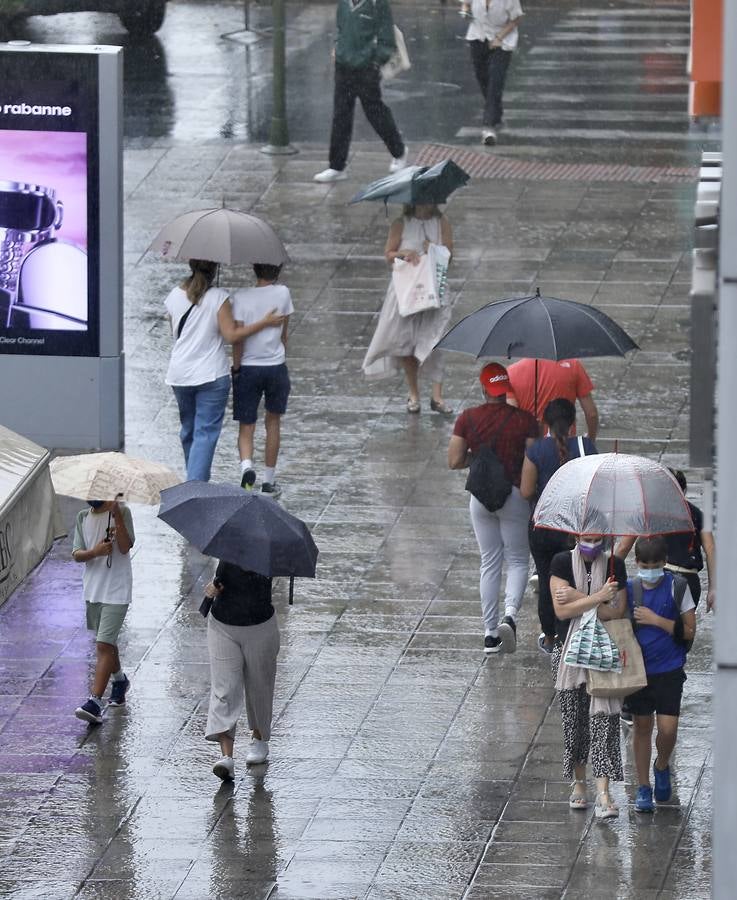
(106, 620)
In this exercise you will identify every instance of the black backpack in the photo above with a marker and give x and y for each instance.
(487, 479)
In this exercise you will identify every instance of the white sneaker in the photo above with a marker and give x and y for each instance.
(328, 175)
(488, 137)
(258, 752)
(399, 162)
(224, 768)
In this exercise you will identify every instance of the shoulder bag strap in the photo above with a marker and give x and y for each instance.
(636, 591)
(184, 319)
(679, 591)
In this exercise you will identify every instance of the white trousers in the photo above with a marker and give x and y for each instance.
(502, 538)
(242, 672)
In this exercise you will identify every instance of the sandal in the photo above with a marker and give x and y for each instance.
(439, 406)
(578, 801)
(606, 810)
(413, 406)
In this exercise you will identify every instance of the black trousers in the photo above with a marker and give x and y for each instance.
(364, 84)
(490, 67)
(544, 544)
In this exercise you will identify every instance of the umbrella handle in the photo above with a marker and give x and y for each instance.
(291, 590)
(109, 560)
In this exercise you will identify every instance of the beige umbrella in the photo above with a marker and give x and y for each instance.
(220, 235)
(104, 476)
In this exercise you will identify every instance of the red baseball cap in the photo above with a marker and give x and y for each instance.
(494, 379)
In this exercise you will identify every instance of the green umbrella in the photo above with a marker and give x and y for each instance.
(417, 184)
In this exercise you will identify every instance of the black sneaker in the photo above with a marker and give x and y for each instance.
(625, 717)
(508, 634)
(492, 644)
(118, 692)
(273, 489)
(91, 712)
(248, 479)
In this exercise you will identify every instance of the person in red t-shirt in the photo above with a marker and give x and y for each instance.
(501, 535)
(555, 379)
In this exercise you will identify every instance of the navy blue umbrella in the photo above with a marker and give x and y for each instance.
(248, 529)
(417, 185)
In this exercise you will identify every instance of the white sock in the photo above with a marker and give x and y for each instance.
(119, 676)
(246, 464)
(493, 633)
(269, 473)
(512, 613)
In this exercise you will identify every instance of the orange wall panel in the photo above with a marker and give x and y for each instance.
(706, 40)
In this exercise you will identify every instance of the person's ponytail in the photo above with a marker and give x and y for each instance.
(201, 279)
(560, 416)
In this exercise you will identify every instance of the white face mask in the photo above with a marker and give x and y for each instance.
(651, 574)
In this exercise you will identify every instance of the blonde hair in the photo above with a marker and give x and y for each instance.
(201, 279)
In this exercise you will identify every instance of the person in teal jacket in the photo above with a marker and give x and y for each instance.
(364, 42)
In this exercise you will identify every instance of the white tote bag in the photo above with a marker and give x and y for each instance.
(399, 60)
(422, 286)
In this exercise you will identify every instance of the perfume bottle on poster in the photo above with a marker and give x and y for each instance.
(43, 280)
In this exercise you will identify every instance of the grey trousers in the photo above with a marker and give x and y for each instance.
(242, 672)
(502, 538)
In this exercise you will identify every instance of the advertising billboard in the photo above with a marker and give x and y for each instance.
(49, 226)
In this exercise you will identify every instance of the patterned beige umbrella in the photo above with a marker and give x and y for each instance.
(103, 476)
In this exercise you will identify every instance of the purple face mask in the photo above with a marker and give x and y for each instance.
(590, 551)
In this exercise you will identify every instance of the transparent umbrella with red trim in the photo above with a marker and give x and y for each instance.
(613, 494)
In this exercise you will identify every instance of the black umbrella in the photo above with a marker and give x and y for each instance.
(248, 529)
(417, 184)
(537, 327)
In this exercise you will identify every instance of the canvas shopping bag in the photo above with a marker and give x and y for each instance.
(440, 260)
(398, 62)
(632, 677)
(591, 647)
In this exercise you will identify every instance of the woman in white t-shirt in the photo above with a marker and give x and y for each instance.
(199, 368)
(492, 37)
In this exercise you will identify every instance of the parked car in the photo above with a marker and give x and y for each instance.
(140, 17)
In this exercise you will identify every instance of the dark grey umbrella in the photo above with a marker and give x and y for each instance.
(247, 529)
(417, 184)
(537, 327)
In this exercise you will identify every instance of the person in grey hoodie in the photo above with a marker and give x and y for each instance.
(364, 42)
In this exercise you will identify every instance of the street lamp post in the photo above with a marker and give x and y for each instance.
(279, 133)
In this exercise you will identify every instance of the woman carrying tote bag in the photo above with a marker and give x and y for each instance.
(406, 342)
(580, 581)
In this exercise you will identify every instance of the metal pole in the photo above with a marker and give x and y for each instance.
(279, 134)
(725, 641)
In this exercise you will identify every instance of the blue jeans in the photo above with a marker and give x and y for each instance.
(201, 412)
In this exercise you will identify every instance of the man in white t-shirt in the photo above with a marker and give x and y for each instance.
(260, 370)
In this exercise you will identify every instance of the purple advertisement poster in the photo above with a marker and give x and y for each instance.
(48, 222)
(43, 212)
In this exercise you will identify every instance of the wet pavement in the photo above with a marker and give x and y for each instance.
(590, 81)
(404, 764)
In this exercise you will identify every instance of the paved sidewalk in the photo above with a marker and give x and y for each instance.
(404, 764)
